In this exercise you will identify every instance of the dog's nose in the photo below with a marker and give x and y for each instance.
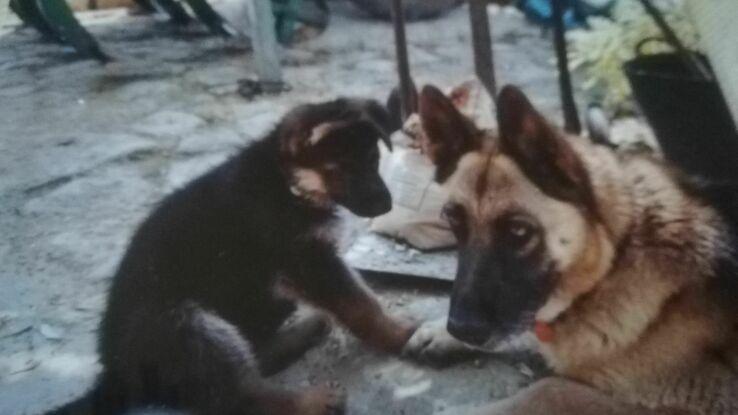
(469, 332)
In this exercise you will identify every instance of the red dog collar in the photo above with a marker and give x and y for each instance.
(544, 332)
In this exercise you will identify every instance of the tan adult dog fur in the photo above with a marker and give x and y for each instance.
(635, 311)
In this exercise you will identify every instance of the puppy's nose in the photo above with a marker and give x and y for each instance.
(383, 203)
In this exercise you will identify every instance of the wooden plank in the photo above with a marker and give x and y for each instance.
(375, 253)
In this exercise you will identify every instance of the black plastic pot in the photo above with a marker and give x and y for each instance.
(414, 9)
(689, 116)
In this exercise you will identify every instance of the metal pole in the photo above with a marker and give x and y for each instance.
(571, 118)
(482, 45)
(407, 88)
(264, 42)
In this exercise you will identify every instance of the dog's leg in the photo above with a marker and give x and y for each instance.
(557, 396)
(203, 363)
(289, 343)
(323, 279)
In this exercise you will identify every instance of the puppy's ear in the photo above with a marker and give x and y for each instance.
(394, 107)
(307, 125)
(540, 151)
(374, 113)
(447, 134)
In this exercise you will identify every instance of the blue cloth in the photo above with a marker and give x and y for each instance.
(575, 11)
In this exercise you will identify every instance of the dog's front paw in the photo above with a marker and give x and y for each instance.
(432, 343)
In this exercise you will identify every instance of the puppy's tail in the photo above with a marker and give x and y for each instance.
(81, 406)
(92, 403)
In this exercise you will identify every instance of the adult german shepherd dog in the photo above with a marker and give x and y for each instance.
(625, 270)
(193, 320)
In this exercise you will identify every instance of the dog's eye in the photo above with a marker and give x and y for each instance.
(455, 215)
(520, 232)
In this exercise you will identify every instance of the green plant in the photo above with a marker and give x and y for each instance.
(600, 51)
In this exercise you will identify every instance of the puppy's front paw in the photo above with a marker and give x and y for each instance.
(432, 343)
(323, 400)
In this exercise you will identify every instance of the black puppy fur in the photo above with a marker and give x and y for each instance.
(193, 320)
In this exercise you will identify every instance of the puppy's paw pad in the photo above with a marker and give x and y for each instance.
(316, 327)
(324, 400)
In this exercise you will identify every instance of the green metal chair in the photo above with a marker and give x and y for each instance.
(55, 21)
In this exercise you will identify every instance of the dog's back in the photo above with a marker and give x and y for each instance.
(661, 329)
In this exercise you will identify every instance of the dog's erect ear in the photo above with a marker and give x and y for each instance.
(448, 134)
(465, 94)
(540, 151)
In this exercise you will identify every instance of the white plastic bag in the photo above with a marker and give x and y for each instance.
(417, 200)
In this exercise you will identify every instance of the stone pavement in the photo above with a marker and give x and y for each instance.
(86, 151)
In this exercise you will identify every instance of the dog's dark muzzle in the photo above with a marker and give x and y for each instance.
(494, 296)
(469, 332)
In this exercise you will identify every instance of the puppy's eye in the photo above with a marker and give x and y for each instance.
(332, 167)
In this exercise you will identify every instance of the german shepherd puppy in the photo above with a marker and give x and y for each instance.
(626, 272)
(193, 320)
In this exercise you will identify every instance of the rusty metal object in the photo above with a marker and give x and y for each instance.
(482, 45)
(407, 86)
(571, 117)
(413, 9)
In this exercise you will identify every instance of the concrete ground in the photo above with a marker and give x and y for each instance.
(87, 150)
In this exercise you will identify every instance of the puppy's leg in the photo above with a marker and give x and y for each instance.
(207, 366)
(557, 396)
(290, 342)
(323, 279)
(432, 343)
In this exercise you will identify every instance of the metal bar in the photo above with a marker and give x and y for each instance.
(146, 6)
(210, 18)
(695, 65)
(482, 45)
(177, 14)
(264, 41)
(30, 14)
(407, 87)
(61, 18)
(571, 118)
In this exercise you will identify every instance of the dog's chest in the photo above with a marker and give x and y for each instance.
(333, 232)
